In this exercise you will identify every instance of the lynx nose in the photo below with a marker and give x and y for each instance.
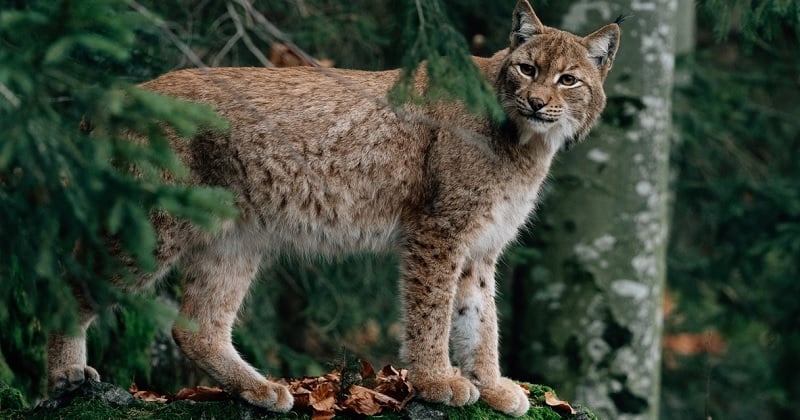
(536, 103)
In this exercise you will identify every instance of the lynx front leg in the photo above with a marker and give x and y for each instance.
(429, 280)
(474, 338)
(216, 281)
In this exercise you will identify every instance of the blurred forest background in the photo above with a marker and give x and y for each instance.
(732, 297)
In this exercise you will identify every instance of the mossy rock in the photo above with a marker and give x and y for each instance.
(97, 400)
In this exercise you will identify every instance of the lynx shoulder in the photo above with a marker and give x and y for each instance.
(322, 165)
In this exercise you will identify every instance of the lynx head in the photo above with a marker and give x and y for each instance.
(551, 81)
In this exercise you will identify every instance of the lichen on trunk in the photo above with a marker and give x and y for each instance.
(592, 314)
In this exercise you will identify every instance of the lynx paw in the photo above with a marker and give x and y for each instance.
(70, 378)
(455, 391)
(506, 396)
(269, 395)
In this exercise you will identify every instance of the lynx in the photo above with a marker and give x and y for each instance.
(321, 165)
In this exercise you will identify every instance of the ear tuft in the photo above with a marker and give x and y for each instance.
(602, 46)
(621, 18)
(524, 24)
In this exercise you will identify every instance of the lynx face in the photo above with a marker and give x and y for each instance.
(551, 83)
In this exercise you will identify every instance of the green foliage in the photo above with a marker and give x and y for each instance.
(735, 253)
(760, 21)
(449, 71)
(355, 34)
(65, 195)
(315, 310)
(130, 331)
(23, 345)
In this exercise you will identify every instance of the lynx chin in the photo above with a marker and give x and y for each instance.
(321, 166)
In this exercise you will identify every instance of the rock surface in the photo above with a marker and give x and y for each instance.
(103, 400)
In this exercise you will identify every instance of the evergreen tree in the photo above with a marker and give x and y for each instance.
(67, 191)
(735, 249)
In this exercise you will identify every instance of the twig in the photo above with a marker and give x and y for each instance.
(246, 38)
(476, 139)
(222, 84)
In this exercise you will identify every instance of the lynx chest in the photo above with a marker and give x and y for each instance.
(499, 225)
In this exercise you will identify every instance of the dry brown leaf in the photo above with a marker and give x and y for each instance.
(323, 397)
(387, 389)
(525, 389)
(395, 384)
(557, 404)
(147, 396)
(388, 371)
(367, 371)
(317, 394)
(302, 397)
(201, 393)
(365, 401)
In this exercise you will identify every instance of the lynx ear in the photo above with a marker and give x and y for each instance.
(524, 24)
(602, 45)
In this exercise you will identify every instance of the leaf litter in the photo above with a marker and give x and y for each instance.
(369, 393)
(352, 389)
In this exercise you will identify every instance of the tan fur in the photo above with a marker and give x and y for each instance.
(322, 166)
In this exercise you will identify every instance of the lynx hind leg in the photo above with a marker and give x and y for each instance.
(429, 277)
(66, 352)
(216, 279)
(66, 358)
(474, 339)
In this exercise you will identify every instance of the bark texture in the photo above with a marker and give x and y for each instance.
(592, 315)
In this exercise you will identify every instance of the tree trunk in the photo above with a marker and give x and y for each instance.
(592, 318)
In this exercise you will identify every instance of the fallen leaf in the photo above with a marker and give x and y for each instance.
(365, 401)
(557, 404)
(525, 389)
(367, 371)
(323, 397)
(201, 393)
(146, 396)
(395, 384)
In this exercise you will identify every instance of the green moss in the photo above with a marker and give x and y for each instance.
(91, 409)
(482, 411)
(10, 398)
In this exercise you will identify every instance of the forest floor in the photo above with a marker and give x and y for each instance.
(98, 400)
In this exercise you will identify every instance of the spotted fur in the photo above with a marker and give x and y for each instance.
(322, 166)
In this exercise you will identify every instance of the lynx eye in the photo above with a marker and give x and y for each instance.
(567, 80)
(527, 70)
